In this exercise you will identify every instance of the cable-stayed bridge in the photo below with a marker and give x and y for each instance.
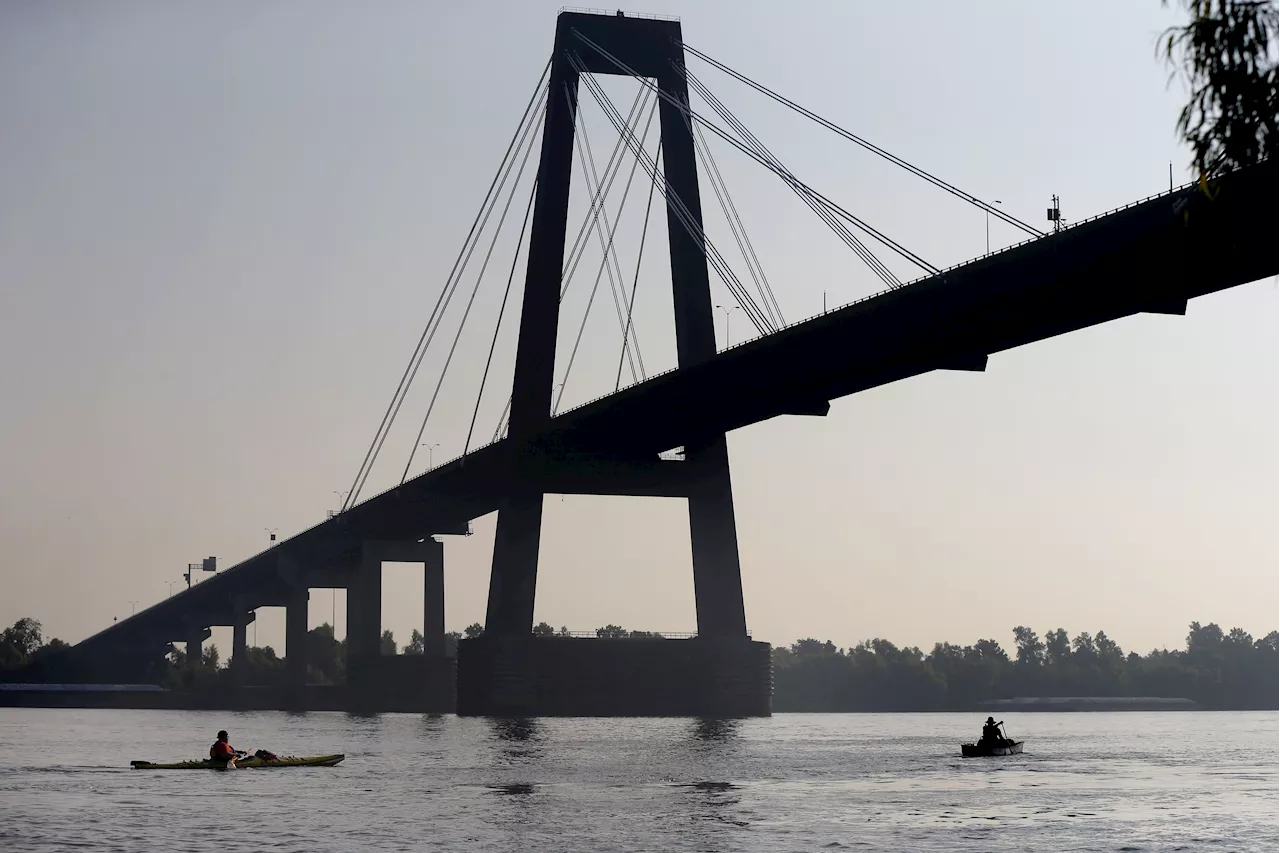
(1152, 256)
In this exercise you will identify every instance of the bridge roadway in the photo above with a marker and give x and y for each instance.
(1149, 257)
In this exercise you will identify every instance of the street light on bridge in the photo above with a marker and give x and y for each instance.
(727, 312)
(993, 201)
(431, 457)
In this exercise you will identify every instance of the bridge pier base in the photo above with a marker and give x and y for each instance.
(506, 675)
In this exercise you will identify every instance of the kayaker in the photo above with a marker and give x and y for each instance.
(221, 750)
(991, 732)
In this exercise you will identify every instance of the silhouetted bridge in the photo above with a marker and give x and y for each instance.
(1150, 257)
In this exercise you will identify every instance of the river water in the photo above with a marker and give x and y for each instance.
(795, 782)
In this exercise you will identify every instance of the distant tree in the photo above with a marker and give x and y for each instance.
(417, 643)
(326, 656)
(611, 631)
(565, 632)
(542, 629)
(1057, 648)
(473, 630)
(1030, 648)
(19, 642)
(387, 644)
(209, 657)
(1227, 54)
(451, 644)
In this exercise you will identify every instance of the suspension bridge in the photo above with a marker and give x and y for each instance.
(664, 434)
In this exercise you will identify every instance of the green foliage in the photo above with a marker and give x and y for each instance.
(611, 631)
(1227, 54)
(1231, 671)
(387, 645)
(542, 629)
(417, 643)
(473, 630)
(23, 643)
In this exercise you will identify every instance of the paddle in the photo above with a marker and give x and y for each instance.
(1006, 734)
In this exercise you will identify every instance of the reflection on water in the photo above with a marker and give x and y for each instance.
(514, 728)
(517, 788)
(715, 729)
(793, 782)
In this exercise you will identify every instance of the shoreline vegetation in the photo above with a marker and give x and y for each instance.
(1216, 670)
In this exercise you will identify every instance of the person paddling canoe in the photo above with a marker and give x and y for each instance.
(991, 732)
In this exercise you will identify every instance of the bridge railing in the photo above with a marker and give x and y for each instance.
(582, 10)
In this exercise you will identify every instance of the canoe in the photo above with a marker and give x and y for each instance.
(247, 763)
(986, 750)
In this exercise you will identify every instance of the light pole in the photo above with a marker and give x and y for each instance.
(727, 313)
(171, 583)
(993, 201)
(431, 456)
(271, 531)
(133, 607)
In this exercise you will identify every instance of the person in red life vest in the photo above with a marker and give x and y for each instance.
(221, 750)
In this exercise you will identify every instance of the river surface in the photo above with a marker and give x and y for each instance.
(796, 782)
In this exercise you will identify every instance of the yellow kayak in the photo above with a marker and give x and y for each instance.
(246, 763)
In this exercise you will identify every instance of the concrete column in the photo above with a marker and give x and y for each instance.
(195, 644)
(717, 576)
(433, 598)
(239, 644)
(295, 638)
(364, 605)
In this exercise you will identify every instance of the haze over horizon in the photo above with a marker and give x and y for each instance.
(225, 226)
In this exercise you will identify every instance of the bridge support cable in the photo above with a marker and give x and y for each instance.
(715, 259)
(758, 318)
(875, 149)
(497, 327)
(484, 266)
(693, 116)
(795, 185)
(608, 253)
(618, 289)
(502, 420)
(631, 303)
(529, 135)
(612, 167)
(735, 225)
(530, 113)
(575, 254)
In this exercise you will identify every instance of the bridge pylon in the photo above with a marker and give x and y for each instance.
(652, 48)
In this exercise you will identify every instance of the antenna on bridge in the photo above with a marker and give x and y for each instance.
(1055, 216)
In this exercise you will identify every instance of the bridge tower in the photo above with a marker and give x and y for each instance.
(653, 49)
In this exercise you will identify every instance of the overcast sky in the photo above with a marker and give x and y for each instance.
(223, 226)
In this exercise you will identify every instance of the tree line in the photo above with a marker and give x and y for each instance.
(1219, 670)
(1225, 671)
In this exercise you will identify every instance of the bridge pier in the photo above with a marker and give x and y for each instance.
(241, 617)
(295, 643)
(433, 599)
(195, 647)
(507, 670)
(397, 682)
(713, 534)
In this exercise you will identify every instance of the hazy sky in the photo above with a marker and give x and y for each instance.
(223, 226)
